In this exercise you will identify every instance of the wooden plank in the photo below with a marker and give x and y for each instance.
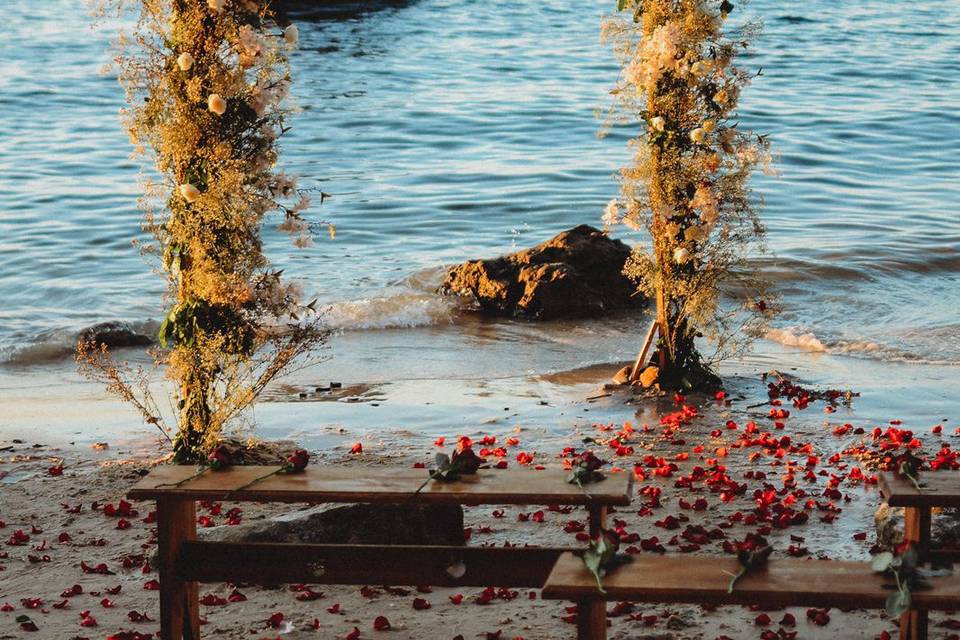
(638, 366)
(704, 580)
(279, 563)
(939, 489)
(179, 598)
(381, 485)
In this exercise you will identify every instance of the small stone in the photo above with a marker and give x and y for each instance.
(649, 376)
(680, 621)
(623, 376)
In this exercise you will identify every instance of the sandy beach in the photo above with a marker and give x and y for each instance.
(54, 525)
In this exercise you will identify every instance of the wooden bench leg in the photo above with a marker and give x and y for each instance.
(598, 519)
(916, 527)
(179, 601)
(913, 625)
(591, 620)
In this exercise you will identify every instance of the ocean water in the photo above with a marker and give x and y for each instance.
(447, 131)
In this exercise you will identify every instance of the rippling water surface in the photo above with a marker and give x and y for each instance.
(451, 130)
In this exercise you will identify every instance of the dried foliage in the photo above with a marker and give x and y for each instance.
(687, 186)
(206, 82)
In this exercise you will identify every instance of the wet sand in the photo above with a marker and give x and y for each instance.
(397, 423)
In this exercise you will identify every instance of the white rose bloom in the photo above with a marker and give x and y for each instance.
(291, 34)
(681, 255)
(185, 61)
(216, 104)
(189, 192)
(698, 135)
(611, 213)
(658, 123)
(217, 5)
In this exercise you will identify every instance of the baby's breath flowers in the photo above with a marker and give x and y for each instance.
(687, 186)
(207, 85)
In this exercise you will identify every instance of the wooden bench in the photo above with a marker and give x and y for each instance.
(705, 579)
(938, 490)
(185, 561)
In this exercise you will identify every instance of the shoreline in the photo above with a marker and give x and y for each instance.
(433, 399)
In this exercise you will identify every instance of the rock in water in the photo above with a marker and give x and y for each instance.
(578, 273)
(354, 524)
(114, 334)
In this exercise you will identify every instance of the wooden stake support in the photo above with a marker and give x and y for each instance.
(642, 356)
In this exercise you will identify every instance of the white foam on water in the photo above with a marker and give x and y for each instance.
(792, 337)
(807, 340)
(401, 311)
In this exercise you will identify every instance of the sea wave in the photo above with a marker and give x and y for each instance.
(802, 338)
(401, 310)
(54, 345)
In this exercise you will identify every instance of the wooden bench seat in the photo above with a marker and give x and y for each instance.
(939, 489)
(381, 485)
(705, 579)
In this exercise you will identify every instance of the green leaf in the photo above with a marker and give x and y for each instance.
(881, 562)
(593, 561)
(909, 557)
(898, 603)
(622, 4)
(165, 333)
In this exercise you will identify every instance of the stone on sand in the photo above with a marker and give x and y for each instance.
(353, 524)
